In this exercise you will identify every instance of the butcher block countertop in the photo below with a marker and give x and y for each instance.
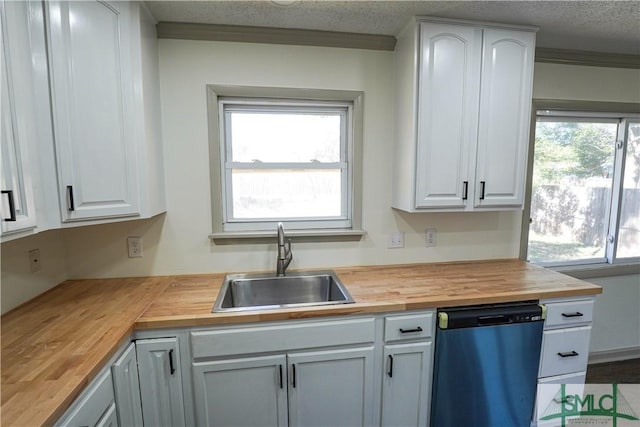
(55, 344)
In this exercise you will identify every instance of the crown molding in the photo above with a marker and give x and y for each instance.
(290, 36)
(587, 58)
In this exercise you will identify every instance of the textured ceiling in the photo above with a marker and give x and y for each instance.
(604, 26)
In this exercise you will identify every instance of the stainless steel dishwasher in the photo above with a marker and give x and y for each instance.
(486, 365)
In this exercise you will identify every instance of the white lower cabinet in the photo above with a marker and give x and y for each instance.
(406, 384)
(127, 388)
(246, 391)
(564, 354)
(306, 373)
(93, 406)
(319, 388)
(331, 388)
(549, 398)
(407, 369)
(110, 418)
(160, 382)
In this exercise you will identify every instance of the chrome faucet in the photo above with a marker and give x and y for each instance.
(284, 252)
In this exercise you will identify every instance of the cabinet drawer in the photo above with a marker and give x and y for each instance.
(92, 404)
(569, 313)
(262, 339)
(548, 394)
(564, 351)
(406, 327)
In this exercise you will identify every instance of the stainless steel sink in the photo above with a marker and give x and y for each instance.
(241, 292)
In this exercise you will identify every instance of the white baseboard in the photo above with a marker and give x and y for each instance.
(616, 355)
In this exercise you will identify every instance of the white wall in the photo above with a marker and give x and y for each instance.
(556, 81)
(180, 239)
(616, 323)
(18, 284)
(177, 242)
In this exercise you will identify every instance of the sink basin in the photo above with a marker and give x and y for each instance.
(240, 292)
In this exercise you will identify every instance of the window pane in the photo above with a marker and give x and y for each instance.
(571, 194)
(285, 136)
(629, 234)
(269, 194)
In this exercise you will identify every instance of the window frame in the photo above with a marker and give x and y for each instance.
(343, 108)
(576, 110)
(241, 231)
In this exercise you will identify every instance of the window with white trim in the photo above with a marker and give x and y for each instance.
(585, 199)
(286, 160)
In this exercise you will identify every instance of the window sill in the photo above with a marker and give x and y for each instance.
(597, 270)
(249, 237)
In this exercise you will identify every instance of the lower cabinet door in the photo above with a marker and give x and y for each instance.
(405, 388)
(160, 382)
(127, 388)
(241, 392)
(110, 418)
(553, 393)
(331, 388)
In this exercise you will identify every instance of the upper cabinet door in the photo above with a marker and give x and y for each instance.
(92, 94)
(505, 114)
(449, 80)
(18, 117)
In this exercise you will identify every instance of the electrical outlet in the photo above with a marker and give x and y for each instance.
(34, 260)
(430, 237)
(135, 247)
(396, 240)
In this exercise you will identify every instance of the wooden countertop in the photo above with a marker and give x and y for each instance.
(54, 345)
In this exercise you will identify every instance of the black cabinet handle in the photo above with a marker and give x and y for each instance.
(280, 367)
(70, 204)
(408, 331)
(172, 368)
(482, 185)
(390, 371)
(568, 354)
(293, 375)
(12, 205)
(566, 399)
(465, 190)
(576, 314)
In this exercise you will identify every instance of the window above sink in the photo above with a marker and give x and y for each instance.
(285, 155)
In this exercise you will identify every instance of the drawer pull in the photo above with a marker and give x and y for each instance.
(568, 354)
(576, 314)
(408, 331)
(565, 399)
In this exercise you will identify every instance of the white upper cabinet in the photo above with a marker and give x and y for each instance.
(102, 79)
(463, 100)
(18, 116)
(505, 115)
(449, 84)
(92, 91)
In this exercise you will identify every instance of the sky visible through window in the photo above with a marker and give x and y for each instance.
(302, 187)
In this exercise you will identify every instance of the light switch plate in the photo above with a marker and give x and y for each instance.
(395, 240)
